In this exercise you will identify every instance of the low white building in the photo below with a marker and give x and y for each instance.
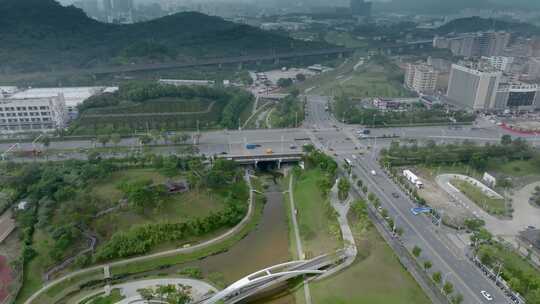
(187, 82)
(43, 109)
(73, 96)
(32, 114)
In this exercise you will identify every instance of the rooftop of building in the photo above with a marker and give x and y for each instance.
(72, 95)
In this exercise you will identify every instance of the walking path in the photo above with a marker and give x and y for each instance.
(177, 251)
(342, 209)
(129, 290)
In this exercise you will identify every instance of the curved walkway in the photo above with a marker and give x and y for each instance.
(191, 249)
(524, 214)
(129, 290)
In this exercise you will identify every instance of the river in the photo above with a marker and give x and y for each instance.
(265, 246)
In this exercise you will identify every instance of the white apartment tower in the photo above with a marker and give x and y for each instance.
(473, 87)
(421, 78)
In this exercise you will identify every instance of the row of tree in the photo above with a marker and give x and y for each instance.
(348, 110)
(467, 153)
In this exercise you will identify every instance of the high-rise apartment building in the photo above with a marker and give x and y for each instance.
(421, 78)
(475, 44)
(473, 86)
(501, 63)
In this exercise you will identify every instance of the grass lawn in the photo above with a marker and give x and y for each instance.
(370, 80)
(344, 39)
(113, 298)
(376, 277)
(175, 208)
(491, 205)
(516, 168)
(108, 189)
(32, 279)
(318, 229)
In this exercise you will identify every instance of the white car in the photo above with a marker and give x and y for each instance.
(486, 295)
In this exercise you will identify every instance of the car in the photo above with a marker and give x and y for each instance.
(292, 147)
(486, 295)
(395, 194)
(531, 227)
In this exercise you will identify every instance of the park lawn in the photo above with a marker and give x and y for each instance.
(490, 205)
(113, 298)
(315, 219)
(32, 279)
(175, 208)
(108, 189)
(370, 80)
(376, 276)
(516, 168)
(432, 171)
(344, 39)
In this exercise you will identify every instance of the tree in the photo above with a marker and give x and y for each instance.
(145, 139)
(116, 138)
(437, 277)
(427, 265)
(343, 188)
(448, 288)
(284, 82)
(300, 77)
(506, 140)
(416, 251)
(103, 139)
(46, 141)
(180, 138)
(364, 189)
(146, 293)
(457, 299)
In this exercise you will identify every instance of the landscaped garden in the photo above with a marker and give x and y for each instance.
(96, 211)
(151, 106)
(491, 205)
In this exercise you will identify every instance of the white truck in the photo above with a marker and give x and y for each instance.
(413, 178)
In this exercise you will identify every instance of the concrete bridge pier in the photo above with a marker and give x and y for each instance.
(220, 66)
(241, 66)
(279, 163)
(276, 60)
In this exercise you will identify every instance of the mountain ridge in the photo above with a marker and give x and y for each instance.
(42, 35)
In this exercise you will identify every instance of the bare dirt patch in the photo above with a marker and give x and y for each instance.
(453, 214)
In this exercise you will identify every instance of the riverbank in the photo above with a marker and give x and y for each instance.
(375, 276)
(71, 283)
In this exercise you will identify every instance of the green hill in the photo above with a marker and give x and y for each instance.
(42, 35)
(474, 24)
